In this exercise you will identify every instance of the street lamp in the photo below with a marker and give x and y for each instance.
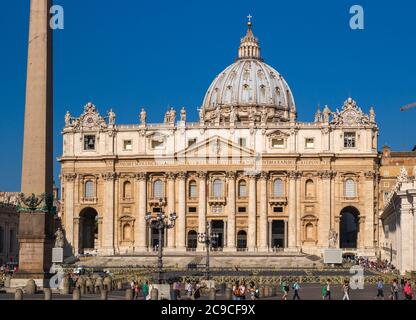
(161, 222)
(208, 238)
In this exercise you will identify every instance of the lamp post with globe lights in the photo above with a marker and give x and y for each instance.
(160, 223)
(208, 238)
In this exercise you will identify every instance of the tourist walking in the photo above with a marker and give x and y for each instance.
(296, 288)
(408, 291)
(395, 290)
(136, 291)
(346, 290)
(197, 291)
(324, 291)
(285, 289)
(243, 291)
(145, 290)
(328, 290)
(380, 289)
(236, 291)
(177, 290)
(254, 292)
(188, 288)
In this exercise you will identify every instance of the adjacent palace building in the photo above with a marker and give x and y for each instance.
(263, 180)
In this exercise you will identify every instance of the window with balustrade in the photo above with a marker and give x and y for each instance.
(350, 188)
(89, 190)
(278, 188)
(217, 188)
(158, 189)
(193, 190)
(242, 189)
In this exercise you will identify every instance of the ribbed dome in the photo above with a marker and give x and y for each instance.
(250, 86)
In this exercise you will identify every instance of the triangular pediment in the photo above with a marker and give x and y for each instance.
(216, 146)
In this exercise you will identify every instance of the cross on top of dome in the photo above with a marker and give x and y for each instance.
(249, 46)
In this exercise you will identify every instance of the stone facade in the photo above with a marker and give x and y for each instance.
(264, 180)
(9, 221)
(398, 241)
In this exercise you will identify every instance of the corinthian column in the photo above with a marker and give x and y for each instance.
(263, 230)
(171, 208)
(292, 210)
(369, 210)
(109, 208)
(69, 210)
(252, 213)
(202, 214)
(325, 209)
(181, 225)
(140, 229)
(231, 212)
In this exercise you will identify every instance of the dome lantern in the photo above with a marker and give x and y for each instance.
(249, 46)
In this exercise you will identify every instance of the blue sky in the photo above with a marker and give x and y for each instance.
(130, 53)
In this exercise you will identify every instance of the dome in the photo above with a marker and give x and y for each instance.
(250, 89)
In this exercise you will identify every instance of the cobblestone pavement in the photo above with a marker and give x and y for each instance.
(307, 292)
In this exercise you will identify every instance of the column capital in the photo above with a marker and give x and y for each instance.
(293, 175)
(171, 175)
(370, 175)
(231, 175)
(109, 176)
(70, 177)
(264, 175)
(141, 176)
(251, 175)
(327, 174)
(182, 175)
(201, 175)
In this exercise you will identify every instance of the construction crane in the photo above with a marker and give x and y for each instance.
(409, 106)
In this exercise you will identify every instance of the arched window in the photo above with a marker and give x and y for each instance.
(158, 191)
(217, 188)
(309, 232)
(242, 189)
(127, 192)
(192, 189)
(350, 188)
(127, 232)
(278, 190)
(89, 189)
(310, 189)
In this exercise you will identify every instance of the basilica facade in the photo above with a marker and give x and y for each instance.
(261, 179)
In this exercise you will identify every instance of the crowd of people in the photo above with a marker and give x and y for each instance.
(383, 266)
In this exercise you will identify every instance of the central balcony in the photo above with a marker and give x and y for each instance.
(278, 201)
(216, 201)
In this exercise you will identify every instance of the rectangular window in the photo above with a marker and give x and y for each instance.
(350, 140)
(158, 144)
(191, 142)
(127, 145)
(192, 191)
(242, 142)
(309, 143)
(278, 143)
(156, 210)
(192, 209)
(242, 209)
(278, 209)
(89, 142)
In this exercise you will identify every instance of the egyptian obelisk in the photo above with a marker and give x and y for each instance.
(36, 222)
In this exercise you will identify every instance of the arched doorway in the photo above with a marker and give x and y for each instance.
(349, 228)
(192, 240)
(241, 240)
(88, 229)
